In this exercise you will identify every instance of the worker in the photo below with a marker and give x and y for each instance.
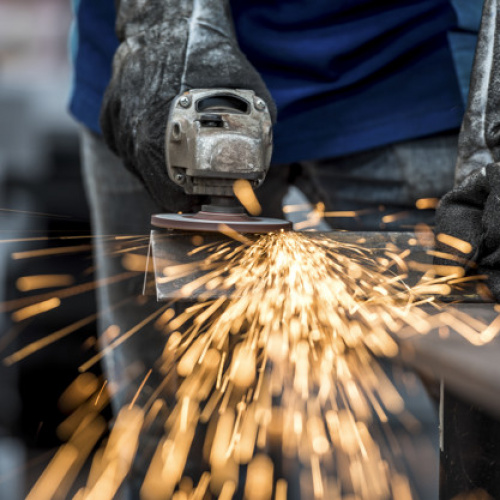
(367, 98)
(369, 95)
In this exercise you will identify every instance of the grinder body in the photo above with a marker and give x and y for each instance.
(215, 137)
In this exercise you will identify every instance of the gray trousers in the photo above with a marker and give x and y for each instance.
(381, 181)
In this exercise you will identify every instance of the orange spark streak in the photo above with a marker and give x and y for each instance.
(49, 339)
(245, 194)
(99, 395)
(35, 309)
(92, 361)
(394, 217)
(143, 383)
(37, 214)
(288, 209)
(44, 252)
(30, 283)
(65, 293)
(427, 203)
(460, 245)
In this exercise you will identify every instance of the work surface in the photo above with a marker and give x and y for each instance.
(472, 371)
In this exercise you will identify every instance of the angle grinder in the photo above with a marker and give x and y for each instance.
(215, 137)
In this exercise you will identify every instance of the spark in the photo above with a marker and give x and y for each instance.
(281, 489)
(386, 219)
(35, 346)
(80, 237)
(314, 218)
(111, 468)
(231, 233)
(35, 309)
(65, 293)
(30, 283)
(440, 270)
(197, 240)
(277, 357)
(46, 252)
(454, 242)
(259, 483)
(125, 336)
(36, 214)
(289, 209)
(346, 213)
(100, 393)
(78, 392)
(244, 192)
(134, 262)
(141, 387)
(427, 203)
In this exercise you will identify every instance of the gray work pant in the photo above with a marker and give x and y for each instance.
(393, 177)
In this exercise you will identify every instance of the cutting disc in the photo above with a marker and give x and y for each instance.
(216, 222)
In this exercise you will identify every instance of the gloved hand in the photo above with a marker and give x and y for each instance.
(471, 211)
(168, 47)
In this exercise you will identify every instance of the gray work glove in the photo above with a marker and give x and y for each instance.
(471, 211)
(168, 47)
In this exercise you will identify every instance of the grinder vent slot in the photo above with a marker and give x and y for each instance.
(223, 104)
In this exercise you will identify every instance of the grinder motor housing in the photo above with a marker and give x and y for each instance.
(217, 136)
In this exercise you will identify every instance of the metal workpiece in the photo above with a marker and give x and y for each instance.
(217, 136)
(171, 248)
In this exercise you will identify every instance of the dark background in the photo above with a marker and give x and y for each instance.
(39, 175)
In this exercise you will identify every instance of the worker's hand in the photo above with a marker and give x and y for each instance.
(471, 211)
(168, 47)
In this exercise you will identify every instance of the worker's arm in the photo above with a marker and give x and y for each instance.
(471, 211)
(167, 47)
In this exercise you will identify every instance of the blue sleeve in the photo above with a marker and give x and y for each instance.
(463, 40)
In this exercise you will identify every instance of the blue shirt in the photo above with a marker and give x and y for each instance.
(346, 75)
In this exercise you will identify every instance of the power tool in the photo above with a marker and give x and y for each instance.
(215, 137)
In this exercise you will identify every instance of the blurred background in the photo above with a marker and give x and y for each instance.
(41, 196)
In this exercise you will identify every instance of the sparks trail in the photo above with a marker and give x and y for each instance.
(34, 214)
(35, 304)
(287, 357)
(80, 237)
(64, 293)
(277, 359)
(29, 307)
